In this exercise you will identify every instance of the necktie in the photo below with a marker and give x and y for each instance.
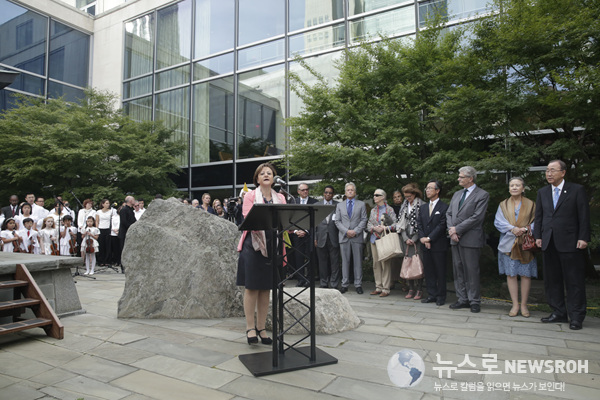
(13, 210)
(556, 195)
(430, 208)
(350, 207)
(462, 199)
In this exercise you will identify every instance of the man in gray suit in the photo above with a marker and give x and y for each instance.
(465, 226)
(327, 245)
(351, 221)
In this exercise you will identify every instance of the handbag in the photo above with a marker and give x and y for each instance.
(388, 246)
(412, 267)
(529, 241)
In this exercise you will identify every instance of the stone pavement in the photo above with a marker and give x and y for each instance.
(103, 357)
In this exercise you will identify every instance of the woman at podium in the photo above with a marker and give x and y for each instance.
(254, 247)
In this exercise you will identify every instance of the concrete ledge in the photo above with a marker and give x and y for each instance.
(51, 273)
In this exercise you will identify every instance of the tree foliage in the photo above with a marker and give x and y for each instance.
(90, 148)
(515, 89)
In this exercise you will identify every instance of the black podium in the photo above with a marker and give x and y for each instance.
(286, 357)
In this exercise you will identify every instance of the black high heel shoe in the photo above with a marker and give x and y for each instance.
(263, 340)
(252, 340)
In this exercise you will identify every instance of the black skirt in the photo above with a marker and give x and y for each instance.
(254, 270)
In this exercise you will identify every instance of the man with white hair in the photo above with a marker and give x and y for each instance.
(127, 219)
(464, 218)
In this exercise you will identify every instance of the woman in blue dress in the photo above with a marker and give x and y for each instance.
(514, 219)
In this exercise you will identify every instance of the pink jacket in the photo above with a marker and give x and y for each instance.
(247, 206)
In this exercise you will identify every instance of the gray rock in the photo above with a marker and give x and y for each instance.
(180, 262)
(333, 312)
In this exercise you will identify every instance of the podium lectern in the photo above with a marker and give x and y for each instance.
(286, 357)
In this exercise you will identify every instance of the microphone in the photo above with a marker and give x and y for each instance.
(279, 181)
(48, 186)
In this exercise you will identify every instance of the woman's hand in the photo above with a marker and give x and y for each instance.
(410, 242)
(378, 229)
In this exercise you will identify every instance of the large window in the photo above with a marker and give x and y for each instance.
(309, 13)
(50, 66)
(139, 46)
(215, 27)
(260, 19)
(173, 39)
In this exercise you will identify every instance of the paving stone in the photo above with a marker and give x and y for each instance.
(63, 394)
(262, 389)
(86, 387)
(98, 368)
(121, 354)
(44, 352)
(181, 352)
(17, 366)
(360, 390)
(489, 343)
(311, 378)
(20, 392)
(162, 387)
(125, 337)
(52, 376)
(186, 371)
(520, 338)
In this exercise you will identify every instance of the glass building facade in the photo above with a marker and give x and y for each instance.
(215, 70)
(53, 58)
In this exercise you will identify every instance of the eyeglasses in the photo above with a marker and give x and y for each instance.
(463, 177)
(328, 193)
(430, 188)
(377, 195)
(552, 170)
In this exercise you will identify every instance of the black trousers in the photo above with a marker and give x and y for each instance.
(565, 271)
(434, 264)
(103, 256)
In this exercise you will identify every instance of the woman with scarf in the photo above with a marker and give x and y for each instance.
(407, 226)
(514, 219)
(382, 215)
(254, 247)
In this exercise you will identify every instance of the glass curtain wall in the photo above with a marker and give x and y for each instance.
(223, 86)
(26, 37)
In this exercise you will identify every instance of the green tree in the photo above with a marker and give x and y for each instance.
(89, 147)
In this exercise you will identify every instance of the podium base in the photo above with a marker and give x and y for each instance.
(261, 364)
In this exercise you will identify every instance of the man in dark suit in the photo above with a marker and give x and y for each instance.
(431, 225)
(351, 221)
(464, 218)
(301, 240)
(12, 210)
(562, 231)
(327, 244)
(127, 217)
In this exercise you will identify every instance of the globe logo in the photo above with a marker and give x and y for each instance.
(406, 368)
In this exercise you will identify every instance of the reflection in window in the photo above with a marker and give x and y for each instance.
(173, 109)
(68, 93)
(219, 65)
(69, 54)
(360, 6)
(173, 77)
(260, 19)
(390, 23)
(324, 38)
(174, 25)
(452, 9)
(302, 12)
(260, 112)
(139, 109)
(28, 83)
(213, 121)
(23, 38)
(139, 40)
(137, 87)
(215, 20)
(261, 54)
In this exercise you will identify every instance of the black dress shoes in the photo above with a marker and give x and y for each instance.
(574, 325)
(428, 300)
(359, 290)
(457, 305)
(554, 318)
(475, 308)
(343, 289)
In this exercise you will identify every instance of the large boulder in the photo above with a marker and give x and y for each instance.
(180, 262)
(333, 312)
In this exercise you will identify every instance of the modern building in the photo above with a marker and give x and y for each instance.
(214, 70)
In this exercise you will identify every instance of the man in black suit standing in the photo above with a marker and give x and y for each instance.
(127, 217)
(12, 210)
(327, 245)
(562, 231)
(431, 225)
(301, 239)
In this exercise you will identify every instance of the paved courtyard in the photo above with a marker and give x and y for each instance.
(103, 357)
